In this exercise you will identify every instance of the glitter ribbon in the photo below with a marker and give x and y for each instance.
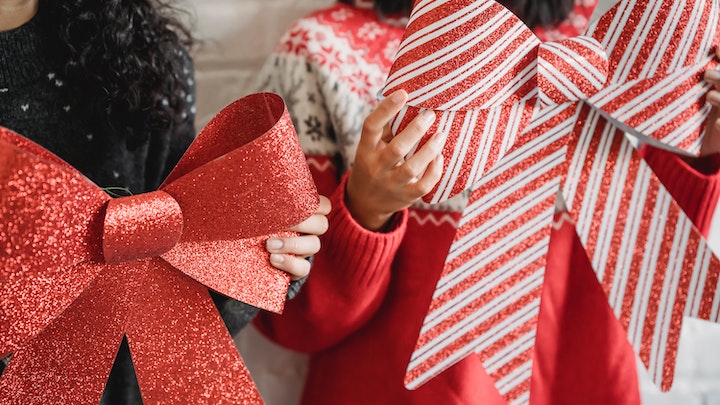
(525, 121)
(80, 270)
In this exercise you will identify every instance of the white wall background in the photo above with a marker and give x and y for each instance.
(237, 35)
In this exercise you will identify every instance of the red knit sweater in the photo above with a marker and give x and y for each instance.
(361, 310)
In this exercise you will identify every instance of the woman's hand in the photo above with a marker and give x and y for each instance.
(711, 140)
(289, 254)
(381, 182)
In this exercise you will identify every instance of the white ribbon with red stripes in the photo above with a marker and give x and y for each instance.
(525, 120)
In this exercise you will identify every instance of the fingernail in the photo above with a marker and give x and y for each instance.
(274, 244)
(713, 97)
(428, 116)
(440, 138)
(397, 97)
(712, 75)
(276, 258)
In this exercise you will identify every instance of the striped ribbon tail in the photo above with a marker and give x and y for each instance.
(653, 264)
(488, 297)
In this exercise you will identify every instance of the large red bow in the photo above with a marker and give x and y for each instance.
(526, 120)
(79, 269)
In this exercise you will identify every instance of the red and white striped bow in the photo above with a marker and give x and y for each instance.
(525, 120)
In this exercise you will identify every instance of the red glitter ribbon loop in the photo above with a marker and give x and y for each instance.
(74, 283)
(141, 226)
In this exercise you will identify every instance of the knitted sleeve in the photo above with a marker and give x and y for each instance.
(693, 182)
(346, 286)
(351, 273)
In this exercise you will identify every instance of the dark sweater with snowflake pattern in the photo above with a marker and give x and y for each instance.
(36, 102)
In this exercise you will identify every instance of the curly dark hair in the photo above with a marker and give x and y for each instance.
(126, 59)
(545, 13)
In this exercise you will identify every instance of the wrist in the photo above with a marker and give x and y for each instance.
(375, 222)
(365, 216)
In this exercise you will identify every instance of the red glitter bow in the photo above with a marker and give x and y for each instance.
(526, 120)
(80, 269)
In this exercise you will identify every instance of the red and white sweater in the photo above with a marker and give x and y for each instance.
(361, 310)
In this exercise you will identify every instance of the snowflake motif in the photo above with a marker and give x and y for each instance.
(578, 21)
(370, 31)
(314, 128)
(553, 35)
(296, 41)
(391, 48)
(25, 107)
(361, 83)
(4, 90)
(341, 14)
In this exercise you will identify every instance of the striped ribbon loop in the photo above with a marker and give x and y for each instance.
(488, 297)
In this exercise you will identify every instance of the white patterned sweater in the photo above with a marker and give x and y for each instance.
(329, 67)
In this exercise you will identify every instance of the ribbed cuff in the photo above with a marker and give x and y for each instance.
(695, 183)
(360, 253)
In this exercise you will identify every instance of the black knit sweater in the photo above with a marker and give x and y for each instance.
(36, 102)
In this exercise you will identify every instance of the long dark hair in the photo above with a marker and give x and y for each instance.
(545, 13)
(125, 57)
(390, 7)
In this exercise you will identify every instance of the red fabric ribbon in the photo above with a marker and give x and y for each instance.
(79, 269)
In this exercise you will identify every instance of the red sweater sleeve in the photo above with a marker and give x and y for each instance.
(693, 182)
(347, 283)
